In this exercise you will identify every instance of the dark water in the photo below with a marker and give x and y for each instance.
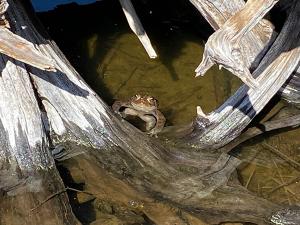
(115, 64)
(98, 42)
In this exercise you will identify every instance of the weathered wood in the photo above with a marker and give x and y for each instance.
(254, 44)
(290, 90)
(137, 27)
(19, 48)
(28, 174)
(285, 122)
(77, 119)
(223, 48)
(80, 121)
(228, 121)
(3, 6)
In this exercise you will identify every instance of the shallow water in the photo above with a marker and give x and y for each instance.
(126, 70)
(266, 171)
(114, 63)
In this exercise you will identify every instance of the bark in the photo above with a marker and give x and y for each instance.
(59, 109)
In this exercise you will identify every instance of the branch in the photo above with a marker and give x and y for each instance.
(255, 43)
(227, 122)
(19, 48)
(23, 50)
(223, 47)
(137, 27)
(292, 122)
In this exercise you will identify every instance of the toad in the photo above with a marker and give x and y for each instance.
(144, 107)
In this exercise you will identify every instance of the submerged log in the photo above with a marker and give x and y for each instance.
(60, 109)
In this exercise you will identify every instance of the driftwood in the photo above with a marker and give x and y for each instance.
(54, 109)
(254, 44)
(28, 173)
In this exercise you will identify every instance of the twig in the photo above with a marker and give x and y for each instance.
(281, 155)
(259, 189)
(58, 193)
(79, 191)
(286, 188)
(250, 177)
(282, 181)
(47, 199)
(295, 180)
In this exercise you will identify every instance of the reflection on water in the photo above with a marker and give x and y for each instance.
(114, 63)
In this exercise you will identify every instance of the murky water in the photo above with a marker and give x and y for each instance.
(114, 63)
(126, 70)
(271, 176)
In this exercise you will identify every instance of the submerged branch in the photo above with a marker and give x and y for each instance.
(292, 162)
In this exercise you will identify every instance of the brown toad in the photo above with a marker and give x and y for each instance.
(144, 107)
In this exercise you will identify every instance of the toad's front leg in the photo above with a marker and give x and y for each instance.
(150, 121)
(160, 123)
